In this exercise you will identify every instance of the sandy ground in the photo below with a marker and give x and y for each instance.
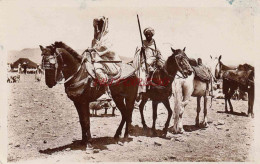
(43, 126)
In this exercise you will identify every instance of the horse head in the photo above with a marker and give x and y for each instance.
(214, 66)
(180, 62)
(52, 65)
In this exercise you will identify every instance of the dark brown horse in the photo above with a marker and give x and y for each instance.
(230, 85)
(161, 88)
(60, 61)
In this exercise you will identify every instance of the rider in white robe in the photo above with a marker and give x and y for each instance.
(103, 50)
(153, 60)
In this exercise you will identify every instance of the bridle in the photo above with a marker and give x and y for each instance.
(178, 59)
(52, 63)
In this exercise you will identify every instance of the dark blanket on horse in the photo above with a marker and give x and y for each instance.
(201, 73)
(238, 76)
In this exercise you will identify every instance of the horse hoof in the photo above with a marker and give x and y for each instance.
(126, 136)
(204, 125)
(116, 137)
(89, 148)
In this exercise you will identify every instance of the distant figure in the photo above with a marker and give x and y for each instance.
(8, 67)
(38, 73)
(19, 68)
(24, 67)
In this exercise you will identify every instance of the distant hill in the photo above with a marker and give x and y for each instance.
(34, 54)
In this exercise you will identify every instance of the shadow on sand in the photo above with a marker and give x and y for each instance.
(100, 143)
(234, 113)
(139, 131)
(97, 143)
(103, 115)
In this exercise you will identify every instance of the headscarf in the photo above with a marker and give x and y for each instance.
(149, 30)
(104, 29)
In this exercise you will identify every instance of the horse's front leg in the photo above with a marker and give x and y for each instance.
(168, 107)
(205, 120)
(83, 111)
(141, 109)
(155, 105)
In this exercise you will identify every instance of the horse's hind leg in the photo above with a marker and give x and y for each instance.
(205, 121)
(155, 104)
(121, 106)
(197, 121)
(141, 108)
(251, 102)
(168, 107)
(130, 102)
(230, 94)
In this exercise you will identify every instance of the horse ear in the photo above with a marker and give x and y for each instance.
(220, 57)
(184, 49)
(173, 50)
(41, 47)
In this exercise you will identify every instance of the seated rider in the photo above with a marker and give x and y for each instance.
(153, 60)
(103, 51)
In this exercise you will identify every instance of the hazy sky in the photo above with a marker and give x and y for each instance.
(219, 29)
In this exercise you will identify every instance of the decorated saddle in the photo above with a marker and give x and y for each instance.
(239, 76)
(201, 72)
(126, 71)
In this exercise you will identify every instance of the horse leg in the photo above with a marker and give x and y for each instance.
(205, 120)
(168, 107)
(83, 112)
(197, 120)
(225, 88)
(130, 102)
(121, 106)
(113, 111)
(232, 91)
(251, 102)
(155, 104)
(141, 108)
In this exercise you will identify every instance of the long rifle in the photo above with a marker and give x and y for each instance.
(142, 52)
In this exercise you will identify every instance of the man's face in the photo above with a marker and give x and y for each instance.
(148, 36)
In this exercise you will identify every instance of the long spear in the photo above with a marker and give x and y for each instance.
(142, 53)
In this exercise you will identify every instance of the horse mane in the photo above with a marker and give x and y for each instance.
(245, 67)
(226, 67)
(71, 51)
(168, 63)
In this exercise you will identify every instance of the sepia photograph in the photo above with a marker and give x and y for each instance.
(129, 81)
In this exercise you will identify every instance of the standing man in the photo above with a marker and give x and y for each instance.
(24, 67)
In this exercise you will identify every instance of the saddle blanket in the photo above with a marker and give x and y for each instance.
(125, 71)
(241, 77)
(201, 73)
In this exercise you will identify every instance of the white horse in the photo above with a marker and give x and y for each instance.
(184, 88)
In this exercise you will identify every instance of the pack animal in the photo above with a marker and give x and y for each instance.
(241, 78)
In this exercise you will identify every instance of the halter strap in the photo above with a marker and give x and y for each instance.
(73, 75)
